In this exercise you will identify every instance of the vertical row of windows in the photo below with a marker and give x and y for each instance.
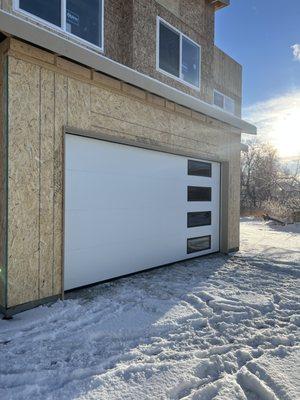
(83, 19)
(199, 218)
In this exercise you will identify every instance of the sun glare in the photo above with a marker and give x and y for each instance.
(278, 123)
(286, 136)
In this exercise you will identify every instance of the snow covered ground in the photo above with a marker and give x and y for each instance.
(216, 327)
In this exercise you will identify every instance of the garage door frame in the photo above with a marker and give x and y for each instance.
(224, 180)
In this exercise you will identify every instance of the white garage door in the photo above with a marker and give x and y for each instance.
(129, 209)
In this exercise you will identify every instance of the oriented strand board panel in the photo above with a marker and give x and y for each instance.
(24, 181)
(228, 77)
(46, 100)
(79, 104)
(171, 5)
(46, 183)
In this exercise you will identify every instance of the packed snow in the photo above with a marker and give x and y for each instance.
(216, 327)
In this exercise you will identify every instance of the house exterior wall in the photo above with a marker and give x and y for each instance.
(227, 78)
(130, 39)
(59, 93)
(194, 18)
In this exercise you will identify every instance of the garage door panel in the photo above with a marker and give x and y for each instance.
(138, 192)
(145, 162)
(126, 210)
(83, 226)
(128, 262)
(142, 258)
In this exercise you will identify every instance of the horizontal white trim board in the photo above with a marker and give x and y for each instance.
(39, 36)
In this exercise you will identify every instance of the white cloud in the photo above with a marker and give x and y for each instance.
(278, 122)
(296, 51)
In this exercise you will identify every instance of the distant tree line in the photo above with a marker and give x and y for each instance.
(267, 185)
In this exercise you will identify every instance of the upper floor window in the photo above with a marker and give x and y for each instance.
(83, 19)
(177, 55)
(224, 102)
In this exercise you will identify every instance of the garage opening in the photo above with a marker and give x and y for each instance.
(128, 209)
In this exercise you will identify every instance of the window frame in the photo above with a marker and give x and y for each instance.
(63, 23)
(223, 108)
(160, 20)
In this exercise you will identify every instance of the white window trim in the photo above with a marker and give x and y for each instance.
(181, 35)
(223, 108)
(62, 28)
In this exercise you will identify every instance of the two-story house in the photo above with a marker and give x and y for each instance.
(120, 141)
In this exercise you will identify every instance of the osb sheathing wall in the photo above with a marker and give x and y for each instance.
(228, 78)
(3, 174)
(130, 35)
(130, 38)
(194, 18)
(46, 93)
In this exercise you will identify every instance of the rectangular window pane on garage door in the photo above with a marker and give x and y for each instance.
(202, 218)
(198, 244)
(199, 193)
(199, 168)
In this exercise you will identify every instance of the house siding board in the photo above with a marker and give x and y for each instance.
(56, 98)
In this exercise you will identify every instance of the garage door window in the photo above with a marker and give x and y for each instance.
(197, 193)
(201, 218)
(198, 244)
(83, 19)
(199, 168)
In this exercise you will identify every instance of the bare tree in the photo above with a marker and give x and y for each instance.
(266, 184)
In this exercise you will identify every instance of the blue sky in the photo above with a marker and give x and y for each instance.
(259, 34)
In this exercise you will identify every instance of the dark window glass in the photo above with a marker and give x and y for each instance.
(198, 244)
(190, 62)
(198, 219)
(199, 168)
(169, 50)
(48, 10)
(196, 193)
(84, 19)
